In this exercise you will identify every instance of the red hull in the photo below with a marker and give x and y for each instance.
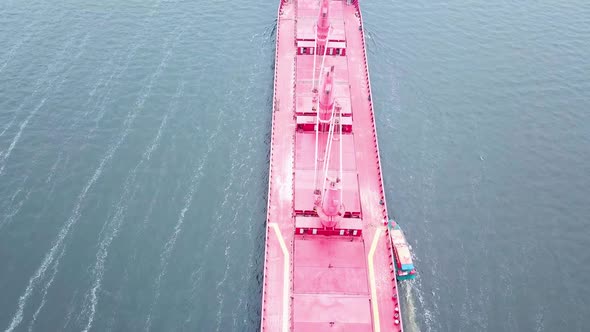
(318, 278)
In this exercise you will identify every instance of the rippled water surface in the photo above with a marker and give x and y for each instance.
(134, 139)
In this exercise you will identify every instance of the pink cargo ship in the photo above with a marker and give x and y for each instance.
(330, 263)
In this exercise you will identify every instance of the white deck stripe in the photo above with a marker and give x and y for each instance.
(372, 282)
(275, 226)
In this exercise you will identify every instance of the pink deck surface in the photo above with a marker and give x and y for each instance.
(321, 283)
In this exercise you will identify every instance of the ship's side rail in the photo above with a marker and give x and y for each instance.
(277, 288)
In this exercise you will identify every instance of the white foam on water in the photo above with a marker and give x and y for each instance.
(220, 225)
(230, 236)
(410, 323)
(170, 244)
(145, 91)
(540, 318)
(418, 294)
(133, 257)
(415, 306)
(14, 204)
(4, 156)
(15, 47)
(50, 175)
(466, 311)
(222, 281)
(65, 230)
(228, 232)
(115, 224)
(18, 135)
(8, 217)
(48, 90)
(101, 81)
(197, 274)
(144, 223)
(219, 284)
(6, 127)
(71, 309)
(101, 104)
(21, 187)
(46, 290)
(44, 77)
(53, 168)
(245, 277)
(59, 241)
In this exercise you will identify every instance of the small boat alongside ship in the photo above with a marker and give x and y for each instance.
(404, 266)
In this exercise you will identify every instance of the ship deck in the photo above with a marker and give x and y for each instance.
(317, 282)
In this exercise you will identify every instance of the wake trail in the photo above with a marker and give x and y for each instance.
(217, 218)
(6, 155)
(410, 323)
(8, 217)
(245, 279)
(169, 246)
(250, 260)
(197, 275)
(230, 196)
(97, 103)
(429, 319)
(142, 227)
(12, 208)
(48, 180)
(52, 170)
(100, 106)
(221, 282)
(71, 309)
(229, 237)
(58, 243)
(48, 89)
(45, 291)
(16, 47)
(121, 208)
(40, 81)
(6, 127)
(150, 209)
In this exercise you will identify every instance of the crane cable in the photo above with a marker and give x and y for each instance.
(317, 127)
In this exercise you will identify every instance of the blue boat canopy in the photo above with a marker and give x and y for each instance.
(407, 267)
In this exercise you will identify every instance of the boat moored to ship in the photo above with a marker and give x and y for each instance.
(404, 266)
